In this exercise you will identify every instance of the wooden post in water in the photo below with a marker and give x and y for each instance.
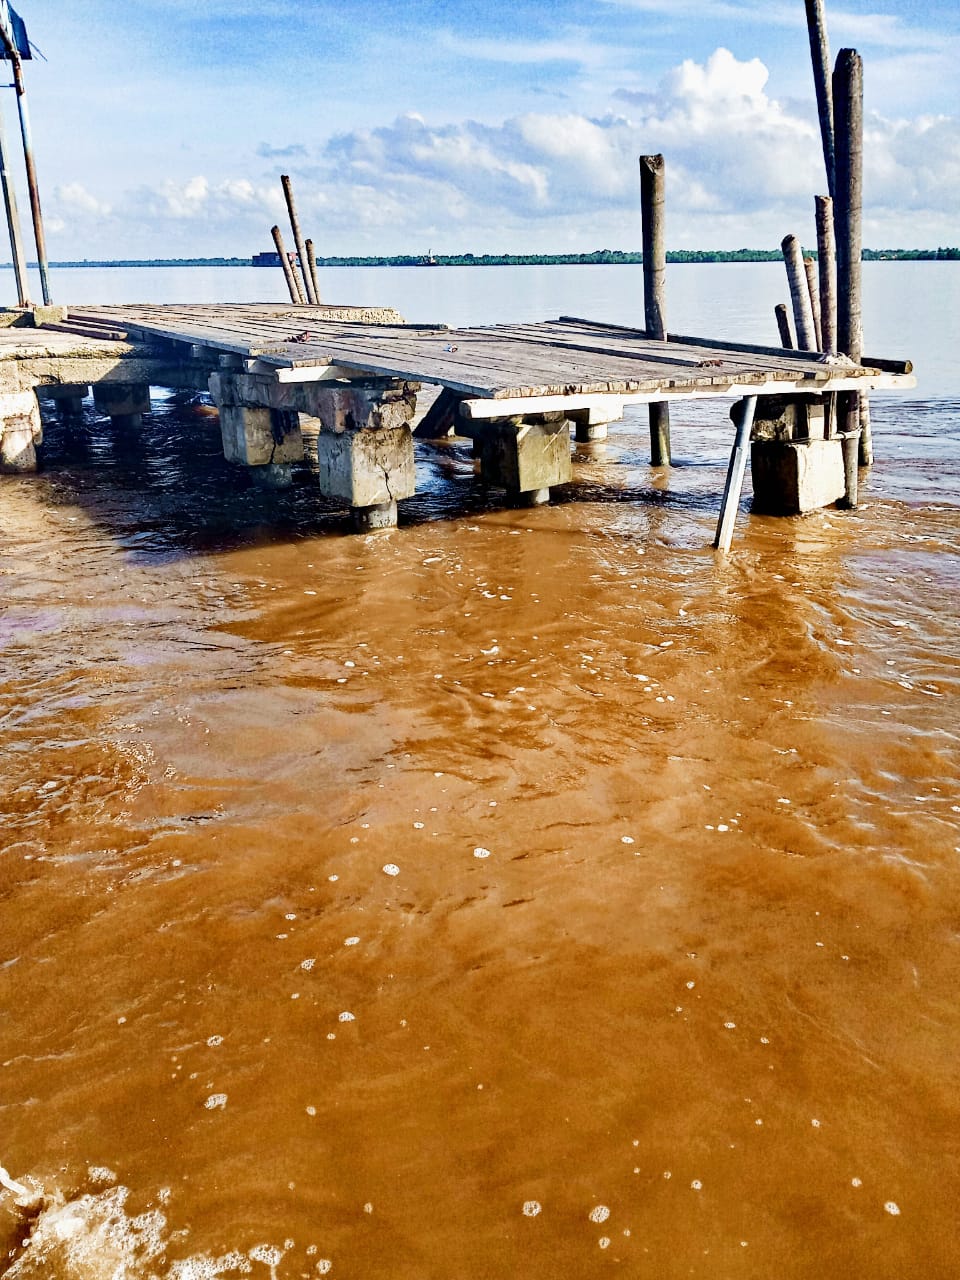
(813, 289)
(742, 415)
(783, 324)
(799, 294)
(293, 283)
(827, 270)
(820, 56)
(654, 289)
(297, 235)
(312, 268)
(848, 215)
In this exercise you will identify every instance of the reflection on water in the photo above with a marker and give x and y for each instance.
(518, 893)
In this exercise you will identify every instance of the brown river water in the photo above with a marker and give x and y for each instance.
(518, 893)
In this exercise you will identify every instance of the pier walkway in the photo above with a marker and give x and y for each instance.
(518, 389)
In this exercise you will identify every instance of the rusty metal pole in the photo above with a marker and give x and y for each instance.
(13, 225)
(32, 184)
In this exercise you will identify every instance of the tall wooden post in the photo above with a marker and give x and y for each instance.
(654, 289)
(848, 211)
(827, 271)
(312, 268)
(297, 236)
(293, 284)
(813, 289)
(820, 57)
(799, 294)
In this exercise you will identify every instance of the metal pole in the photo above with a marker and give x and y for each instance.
(743, 412)
(32, 184)
(13, 225)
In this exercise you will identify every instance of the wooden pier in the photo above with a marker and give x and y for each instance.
(518, 390)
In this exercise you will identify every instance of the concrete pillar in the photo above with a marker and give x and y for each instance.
(524, 457)
(254, 434)
(589, 425)
(370, 469)
(67, 396)
(20, 431)
(791, 477)
(123, 402)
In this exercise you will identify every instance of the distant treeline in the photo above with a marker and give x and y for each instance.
(599, 257)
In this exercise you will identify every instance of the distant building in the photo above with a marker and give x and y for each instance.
(266, 260)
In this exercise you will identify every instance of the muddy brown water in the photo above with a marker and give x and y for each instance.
(518, 893)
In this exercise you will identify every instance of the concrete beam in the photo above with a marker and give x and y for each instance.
(368, 468)
(123, 402)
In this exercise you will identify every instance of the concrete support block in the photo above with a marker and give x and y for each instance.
(521, 456)
(590, 425)
(259, 437)
(367, 468)
(794, 476)
(789, 417)
(67, 396)
(20, 431)
(123, 402)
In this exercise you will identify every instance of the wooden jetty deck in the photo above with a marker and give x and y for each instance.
(517, 388)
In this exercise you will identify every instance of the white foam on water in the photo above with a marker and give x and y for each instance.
(599, 1213)
(531, 1208)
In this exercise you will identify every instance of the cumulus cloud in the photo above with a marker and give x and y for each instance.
(742, 169)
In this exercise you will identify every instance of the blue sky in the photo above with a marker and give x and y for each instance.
(162, 126)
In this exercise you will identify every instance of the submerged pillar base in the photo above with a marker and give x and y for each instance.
(382, 515)
(792, 477)
(524, 457)
(123, 402)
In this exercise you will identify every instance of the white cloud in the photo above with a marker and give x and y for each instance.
(741, 169)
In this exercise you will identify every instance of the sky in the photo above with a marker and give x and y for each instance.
(161, 127)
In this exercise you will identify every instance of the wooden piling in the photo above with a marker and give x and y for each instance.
(799, 294)
(13, 226)
(820, 57)
(813, 290)
(312, 268)
(297, 235)
(848, 212)
(783, 324)
(827, 271)
(293, 283)
(654, 289)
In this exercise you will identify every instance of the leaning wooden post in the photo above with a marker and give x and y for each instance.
(820, 56)
(297, 236)
(13, 226)
(654, 289)
(799, 294)
(813, 289)
(742, 415)
(312, 268)
(827, 270)
(848, 212)
(783, 324)
(292, 283)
